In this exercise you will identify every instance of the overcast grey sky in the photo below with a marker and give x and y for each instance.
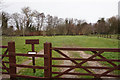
(89, 10)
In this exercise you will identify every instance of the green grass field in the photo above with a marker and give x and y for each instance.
(60, 41)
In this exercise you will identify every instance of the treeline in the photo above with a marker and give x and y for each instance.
(32, 22)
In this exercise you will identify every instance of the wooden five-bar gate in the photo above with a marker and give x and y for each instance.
(48, 62)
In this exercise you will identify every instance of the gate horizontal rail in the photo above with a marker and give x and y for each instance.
(45, 78)
(90, 67)
(29, 66)
(25, 76)
(84, 59)
(71, 73)
(3, 46)
(4, 55)
(89, 49)
(4, 73)
(29, 55)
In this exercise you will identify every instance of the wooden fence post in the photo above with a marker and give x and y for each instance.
(12, 59)
(48, 60)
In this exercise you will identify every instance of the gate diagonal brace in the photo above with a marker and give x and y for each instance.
(114, 65)
(5, 53)
(5, 67)
(72, 60)
(110, 70)
(79, 64)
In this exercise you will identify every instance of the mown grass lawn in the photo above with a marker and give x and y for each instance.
(60, 41)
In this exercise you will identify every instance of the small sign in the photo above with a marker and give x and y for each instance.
(32, 41)
(30, 52)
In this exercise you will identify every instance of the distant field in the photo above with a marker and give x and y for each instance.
(112, 36)
(61, 41)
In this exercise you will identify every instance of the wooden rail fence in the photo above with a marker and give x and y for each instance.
(48, 62)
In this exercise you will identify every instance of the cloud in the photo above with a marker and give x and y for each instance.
(91, 10)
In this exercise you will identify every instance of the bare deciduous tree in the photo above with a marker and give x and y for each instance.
(28, 17)
(39, 17)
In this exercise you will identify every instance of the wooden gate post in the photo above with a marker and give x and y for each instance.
(48, 60)
(12, 59)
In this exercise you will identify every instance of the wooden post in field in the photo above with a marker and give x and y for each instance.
(33, 58)
(33, 42)
(118, 37)
(110, 36)
(48, 60)
(107, 35)
(104, 35)
(12, 59)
